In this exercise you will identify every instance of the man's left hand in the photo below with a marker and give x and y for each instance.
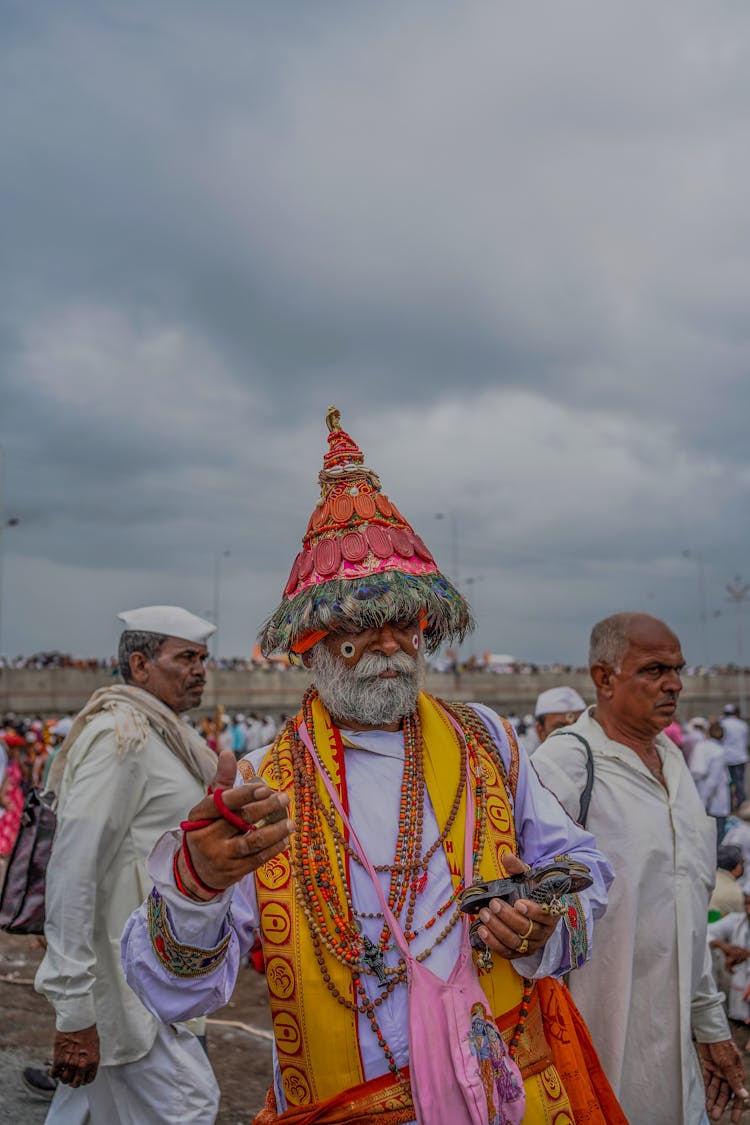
(724, 1078)
(518, 930)
(75, 1056)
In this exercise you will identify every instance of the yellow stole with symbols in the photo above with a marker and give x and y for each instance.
(316, 1067)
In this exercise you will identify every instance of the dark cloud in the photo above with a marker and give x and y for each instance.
(511, 246)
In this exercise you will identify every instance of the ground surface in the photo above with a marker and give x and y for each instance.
(242, 1061)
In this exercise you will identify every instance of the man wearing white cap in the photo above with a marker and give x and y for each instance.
(735, 750)
(127, 770)
(652, 959)
(555, 708)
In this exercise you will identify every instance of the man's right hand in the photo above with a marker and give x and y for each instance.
(75, 1056)
(221, 853)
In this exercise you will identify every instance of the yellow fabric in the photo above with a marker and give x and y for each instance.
(503, 986)
(301, 1002)
(311, 1071)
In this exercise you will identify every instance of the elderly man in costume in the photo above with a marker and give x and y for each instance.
(649, 990)
(127, 769)
(391, 804)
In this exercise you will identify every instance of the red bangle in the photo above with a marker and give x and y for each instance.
(177, 880)
(194, 874)
(179, 883)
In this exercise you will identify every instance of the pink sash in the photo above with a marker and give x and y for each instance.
(459, 1064)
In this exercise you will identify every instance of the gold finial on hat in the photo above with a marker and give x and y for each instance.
(333, 419)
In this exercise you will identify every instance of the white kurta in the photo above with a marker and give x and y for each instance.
(711, 776)
(649, 981)
(112, 807)
(735, 740)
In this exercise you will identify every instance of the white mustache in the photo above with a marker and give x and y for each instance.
(371, 664)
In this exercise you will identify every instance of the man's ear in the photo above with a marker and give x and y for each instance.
(603, 676)
(306, 658)
(138, 667)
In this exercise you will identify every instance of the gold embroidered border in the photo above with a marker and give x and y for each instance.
(180, 960)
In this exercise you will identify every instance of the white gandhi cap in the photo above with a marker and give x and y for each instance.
(170, 621)
(559, 701)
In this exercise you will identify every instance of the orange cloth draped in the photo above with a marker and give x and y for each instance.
(592, 1099)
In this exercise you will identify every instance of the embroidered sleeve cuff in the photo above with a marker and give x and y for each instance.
(567, 949)
(178, 959)
(574, 921)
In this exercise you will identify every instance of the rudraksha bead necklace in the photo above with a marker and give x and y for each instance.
(331, 919)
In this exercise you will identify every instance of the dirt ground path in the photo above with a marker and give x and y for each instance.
(241, 1061)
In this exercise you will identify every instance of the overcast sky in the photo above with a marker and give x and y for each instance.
(510, 242)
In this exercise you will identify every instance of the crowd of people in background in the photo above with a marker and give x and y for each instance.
(28, 745)
(715, 749)
(41, 660)
(449, 661)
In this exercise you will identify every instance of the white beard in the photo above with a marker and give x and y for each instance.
(358, 695)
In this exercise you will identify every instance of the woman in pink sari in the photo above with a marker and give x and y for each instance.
(11, 799)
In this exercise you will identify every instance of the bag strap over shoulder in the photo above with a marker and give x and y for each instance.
(583, 808)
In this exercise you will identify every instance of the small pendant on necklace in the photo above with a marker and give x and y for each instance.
(372, 958)
(483, 952)
(484, 960)
(419, 882)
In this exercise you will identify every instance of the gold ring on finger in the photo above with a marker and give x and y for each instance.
(528, 932)
(523, 946)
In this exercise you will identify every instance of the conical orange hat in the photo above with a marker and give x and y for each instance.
(361, 563)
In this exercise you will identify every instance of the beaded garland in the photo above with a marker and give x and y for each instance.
(523, 1012)
(332, 921)
(409, 869)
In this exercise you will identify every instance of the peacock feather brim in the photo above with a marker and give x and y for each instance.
(368, 603)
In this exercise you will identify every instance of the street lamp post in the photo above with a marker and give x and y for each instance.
(4, 522)
(738, 592)
(453, 521)
(470, 583)
(217, 596)
(697, 557)
(453, 524)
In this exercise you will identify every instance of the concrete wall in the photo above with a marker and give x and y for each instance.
(60, 691)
